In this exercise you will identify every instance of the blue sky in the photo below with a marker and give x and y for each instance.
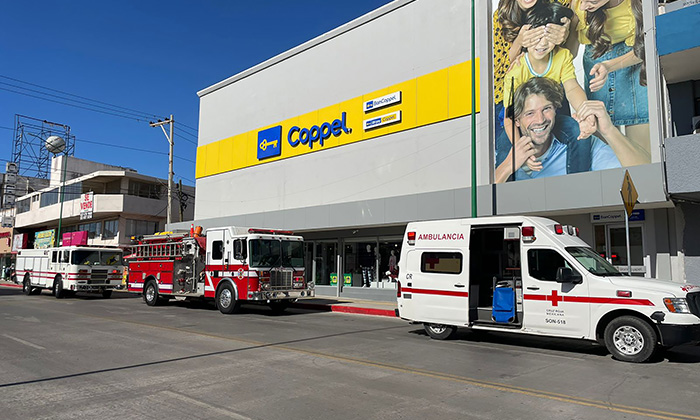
(147, 56)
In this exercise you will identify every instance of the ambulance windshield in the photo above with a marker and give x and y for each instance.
(276, 253)
(593, 262)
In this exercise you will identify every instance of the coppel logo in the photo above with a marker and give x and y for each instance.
(270, 142)
(317, 134)
(369, 105)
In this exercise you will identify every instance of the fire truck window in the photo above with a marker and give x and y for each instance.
(54, 256)
(64, 256)
(542, 264)
(441, 262)
(217, 250)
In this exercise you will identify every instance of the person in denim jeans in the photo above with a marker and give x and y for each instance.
(613, 61)
(552, 142)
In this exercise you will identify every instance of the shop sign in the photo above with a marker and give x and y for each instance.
(86, 205)
(347, 279)
(334, 279)
(270, 142)
(384, 101)
(19, 241)
(318, 134)
(44, 239)
(636, 216)
(386, 119)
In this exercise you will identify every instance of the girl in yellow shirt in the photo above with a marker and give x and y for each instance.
(612, 32)
(510, 36)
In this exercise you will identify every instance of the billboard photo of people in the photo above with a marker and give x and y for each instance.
(569, 87)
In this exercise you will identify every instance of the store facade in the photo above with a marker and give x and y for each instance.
(350, 136)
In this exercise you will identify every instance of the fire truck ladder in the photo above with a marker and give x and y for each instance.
(164, 250)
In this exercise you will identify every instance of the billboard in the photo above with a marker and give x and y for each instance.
(570, 88)
(44, 239)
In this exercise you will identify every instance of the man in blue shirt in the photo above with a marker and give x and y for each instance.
(554, 145)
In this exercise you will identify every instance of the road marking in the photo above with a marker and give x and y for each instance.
(19, 340)
(227, 413)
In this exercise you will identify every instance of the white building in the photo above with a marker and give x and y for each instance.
(349, 136)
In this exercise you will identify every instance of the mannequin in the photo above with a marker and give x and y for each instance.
(367, 266)
(393, 269)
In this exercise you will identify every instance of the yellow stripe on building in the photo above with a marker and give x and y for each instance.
(428, 99)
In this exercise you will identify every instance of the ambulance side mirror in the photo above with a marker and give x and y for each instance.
(566, 275)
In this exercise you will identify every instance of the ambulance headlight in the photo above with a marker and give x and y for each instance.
(677, 305)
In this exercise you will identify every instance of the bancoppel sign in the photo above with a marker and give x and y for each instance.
(384, 101)
(386, 119)
(86, 205)
(636, 216)
(270, 142)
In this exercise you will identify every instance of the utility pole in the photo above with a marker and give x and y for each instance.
(160, 124)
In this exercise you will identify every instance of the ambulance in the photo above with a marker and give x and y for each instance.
(531, 275)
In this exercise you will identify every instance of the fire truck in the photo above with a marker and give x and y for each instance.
(69, 269)
(230, 265)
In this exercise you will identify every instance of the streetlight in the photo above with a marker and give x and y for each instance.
(56, 145)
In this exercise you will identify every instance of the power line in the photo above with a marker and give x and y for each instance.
(69, 99)
(81, 97)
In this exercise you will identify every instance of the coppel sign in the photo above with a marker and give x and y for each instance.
(270, 139)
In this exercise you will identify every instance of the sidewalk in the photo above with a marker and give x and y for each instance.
(327, 304)
(349, 306)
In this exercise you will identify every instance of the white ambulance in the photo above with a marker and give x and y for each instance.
(70, 269)
(531, 275)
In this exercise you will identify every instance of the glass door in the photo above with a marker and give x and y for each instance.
(611, 244)
(325, 257)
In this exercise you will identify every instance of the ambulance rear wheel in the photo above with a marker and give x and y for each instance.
(226, 299)
(630, 339)
(150, 294)
(58, 288)
(439, 331)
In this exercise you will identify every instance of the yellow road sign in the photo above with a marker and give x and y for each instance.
(628, 193)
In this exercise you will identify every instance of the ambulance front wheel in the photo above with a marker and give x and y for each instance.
(58, 288)
(226, 299)
(439, 331)
(630, 339)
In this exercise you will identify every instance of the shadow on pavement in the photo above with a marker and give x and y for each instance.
(687, 353)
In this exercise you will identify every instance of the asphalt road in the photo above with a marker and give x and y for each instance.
(89, 358)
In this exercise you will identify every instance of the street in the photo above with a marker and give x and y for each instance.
(86, 357)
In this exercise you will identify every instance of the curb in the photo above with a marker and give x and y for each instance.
(347, 309)
(17, 286)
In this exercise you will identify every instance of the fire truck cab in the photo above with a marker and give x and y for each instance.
(70, 269)
(531, 275)
(230, 265)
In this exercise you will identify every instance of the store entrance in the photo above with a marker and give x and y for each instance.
(611, 244)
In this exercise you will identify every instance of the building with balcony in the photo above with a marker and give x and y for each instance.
(123, 203)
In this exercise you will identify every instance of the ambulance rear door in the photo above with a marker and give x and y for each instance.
(437, 282)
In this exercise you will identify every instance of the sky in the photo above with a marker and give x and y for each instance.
(108, 68)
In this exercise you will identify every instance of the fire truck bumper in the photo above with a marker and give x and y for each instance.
(93, 287)
(281, 294)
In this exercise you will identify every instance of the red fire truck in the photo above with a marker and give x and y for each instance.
(229, 264)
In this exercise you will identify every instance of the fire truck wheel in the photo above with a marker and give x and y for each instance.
(150, 294)
(106, 294)
(439, 331)
(630, 339)
(26, 286)
(226, 299)
(58, 288)
(279, 306)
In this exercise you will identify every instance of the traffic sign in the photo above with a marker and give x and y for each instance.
(628, 193)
